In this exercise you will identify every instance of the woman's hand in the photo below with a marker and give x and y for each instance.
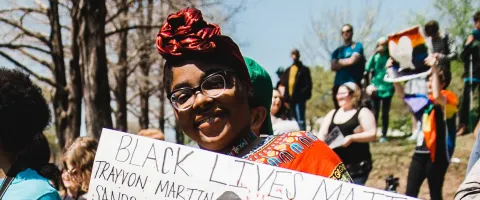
(431, 60)
(389, 63)
(348, 140)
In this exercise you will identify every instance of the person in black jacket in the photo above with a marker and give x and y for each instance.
(471, 59)
(298, 87)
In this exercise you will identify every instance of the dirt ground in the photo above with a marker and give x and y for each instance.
(394, 157)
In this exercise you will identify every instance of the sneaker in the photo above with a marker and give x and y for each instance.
(383, 139)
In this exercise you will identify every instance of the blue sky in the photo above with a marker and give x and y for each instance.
(271, 28)
(268, 29)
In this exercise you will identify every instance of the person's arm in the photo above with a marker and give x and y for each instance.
(309, 84)
(477, 128)
(436, 85)
(398, 87)
(452, 49)
(325, 124)
(356, 56)
(347, 62)
(369, 126)
(369, 64)
(333, 60)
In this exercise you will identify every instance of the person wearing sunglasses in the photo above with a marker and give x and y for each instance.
(347, 61)
(209, 87)
(24, 150)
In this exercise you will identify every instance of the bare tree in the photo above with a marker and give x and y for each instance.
(28, 43)
(325, 35)
(93, 56)
(120, 70)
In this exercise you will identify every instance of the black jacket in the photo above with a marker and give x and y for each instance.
(302, 90)
(473, 50)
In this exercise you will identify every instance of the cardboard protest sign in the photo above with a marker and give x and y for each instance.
(130, 167)
(409, 49)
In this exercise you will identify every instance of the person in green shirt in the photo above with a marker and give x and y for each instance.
(380, 91)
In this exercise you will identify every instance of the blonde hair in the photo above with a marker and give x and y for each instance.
(81, 155)
(355, 93)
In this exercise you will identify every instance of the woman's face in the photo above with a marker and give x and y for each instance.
(70, 176)
(211, 122)
(383, 45)
(343, 97)
(276, 102)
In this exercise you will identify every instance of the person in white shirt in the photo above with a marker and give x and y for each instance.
(282, 119)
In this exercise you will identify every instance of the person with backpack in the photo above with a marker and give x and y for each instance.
(24, 150)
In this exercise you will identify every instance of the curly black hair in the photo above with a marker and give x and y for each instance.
(24, 112)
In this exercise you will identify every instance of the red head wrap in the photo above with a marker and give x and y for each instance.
(186, 36)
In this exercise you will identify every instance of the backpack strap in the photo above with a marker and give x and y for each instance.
(6, 183)
(10, 176)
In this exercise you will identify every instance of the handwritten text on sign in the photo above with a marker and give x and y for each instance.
(130, 167)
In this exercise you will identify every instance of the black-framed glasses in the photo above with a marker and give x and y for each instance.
(347, 31)
(212, 86)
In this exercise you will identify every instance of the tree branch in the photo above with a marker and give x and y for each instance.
(25, 68)
(19, 46)
(30, 33)
(25, 10)
(119, 11)
(131, 28)
(36, 59)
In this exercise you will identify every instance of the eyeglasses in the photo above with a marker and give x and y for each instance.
(212, 86)
(347, 31)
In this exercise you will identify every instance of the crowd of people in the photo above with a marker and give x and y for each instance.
(227, 104)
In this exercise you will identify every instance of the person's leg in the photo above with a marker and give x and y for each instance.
(416, 174)
(300, 115)
(465, 109)
(334, 96)
(475, 155)
(435, 177)
(376, 106)
(386, 102)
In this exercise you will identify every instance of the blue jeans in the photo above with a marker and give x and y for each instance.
(299, 109)
(475, 155)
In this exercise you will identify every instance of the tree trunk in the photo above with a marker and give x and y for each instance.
(94, 70)
(144, 91)
(161, 98)
(60, 96)
(120, 72)
(65, 125)
(74, 111)
(145, 61)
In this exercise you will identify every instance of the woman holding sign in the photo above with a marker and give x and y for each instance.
(209, 87)
(351, 127)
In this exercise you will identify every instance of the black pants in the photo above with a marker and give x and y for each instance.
(385, 104)
(465, 110)
(421, 168)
